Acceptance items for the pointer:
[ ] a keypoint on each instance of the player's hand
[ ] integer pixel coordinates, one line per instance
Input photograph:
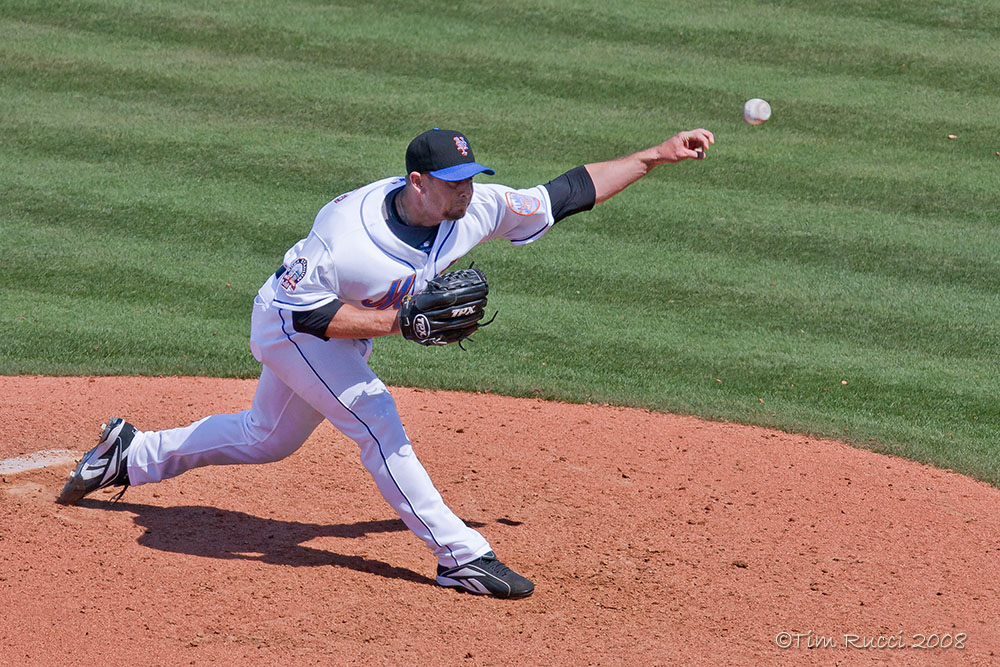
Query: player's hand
(688, 145)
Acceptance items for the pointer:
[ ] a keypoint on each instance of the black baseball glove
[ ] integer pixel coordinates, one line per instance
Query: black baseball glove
(448, 310)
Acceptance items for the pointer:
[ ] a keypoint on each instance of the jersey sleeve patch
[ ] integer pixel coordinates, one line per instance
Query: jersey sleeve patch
(295, 273)
(523, 204)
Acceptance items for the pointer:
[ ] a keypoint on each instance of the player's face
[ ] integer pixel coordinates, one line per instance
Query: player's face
(448, 200)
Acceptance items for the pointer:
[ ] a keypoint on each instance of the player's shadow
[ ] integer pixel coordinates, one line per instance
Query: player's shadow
(226, 534)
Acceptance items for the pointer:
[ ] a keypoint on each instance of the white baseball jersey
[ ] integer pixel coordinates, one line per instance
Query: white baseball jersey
(352, 255)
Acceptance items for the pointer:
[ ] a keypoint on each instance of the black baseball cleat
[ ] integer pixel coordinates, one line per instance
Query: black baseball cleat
(104, 465)
(486, 576)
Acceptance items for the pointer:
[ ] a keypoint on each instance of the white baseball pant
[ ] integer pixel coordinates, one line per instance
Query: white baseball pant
(305, 379)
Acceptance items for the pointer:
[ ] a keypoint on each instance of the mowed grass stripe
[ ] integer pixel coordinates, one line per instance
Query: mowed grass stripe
(214, 229)
(385, 47)
(754, 31)
(826, 121)
(769, 297)
(716, 373)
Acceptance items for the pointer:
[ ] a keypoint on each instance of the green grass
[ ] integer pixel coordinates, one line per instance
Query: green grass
(833, 272)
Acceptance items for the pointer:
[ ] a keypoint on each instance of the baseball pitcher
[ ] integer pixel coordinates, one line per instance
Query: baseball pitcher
(375, 264)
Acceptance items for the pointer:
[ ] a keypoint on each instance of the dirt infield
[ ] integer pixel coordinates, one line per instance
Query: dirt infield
(651, 539)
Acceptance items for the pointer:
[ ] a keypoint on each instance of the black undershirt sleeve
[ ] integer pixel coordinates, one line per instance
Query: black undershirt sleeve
(316, 321)
(571, 193)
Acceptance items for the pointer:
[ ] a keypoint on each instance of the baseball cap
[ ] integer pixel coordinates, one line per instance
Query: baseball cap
(444, 154)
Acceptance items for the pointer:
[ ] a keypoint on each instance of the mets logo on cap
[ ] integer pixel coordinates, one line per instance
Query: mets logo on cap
(462, 145)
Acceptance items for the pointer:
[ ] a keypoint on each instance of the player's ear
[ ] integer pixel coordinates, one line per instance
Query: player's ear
(416, 180)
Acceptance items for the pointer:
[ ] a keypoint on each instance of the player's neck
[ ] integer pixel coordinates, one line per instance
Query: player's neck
(407, 214)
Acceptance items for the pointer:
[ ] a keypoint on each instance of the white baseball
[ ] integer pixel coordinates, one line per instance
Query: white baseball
(756, 111)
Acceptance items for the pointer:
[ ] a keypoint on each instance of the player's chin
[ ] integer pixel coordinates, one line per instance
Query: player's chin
(456, 212)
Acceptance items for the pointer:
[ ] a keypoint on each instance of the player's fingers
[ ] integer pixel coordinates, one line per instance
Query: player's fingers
(701, 138)
(685, 153)
(692, 146)
(687, 145)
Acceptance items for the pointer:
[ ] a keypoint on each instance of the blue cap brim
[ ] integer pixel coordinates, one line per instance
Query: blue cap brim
(460, 172)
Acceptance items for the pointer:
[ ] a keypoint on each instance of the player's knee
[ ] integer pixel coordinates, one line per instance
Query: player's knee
(270, 443)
